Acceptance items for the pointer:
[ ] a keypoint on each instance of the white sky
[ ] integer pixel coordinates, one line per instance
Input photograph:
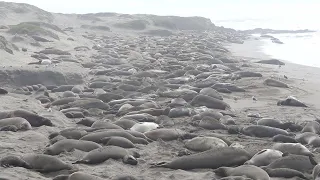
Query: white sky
(214, 9)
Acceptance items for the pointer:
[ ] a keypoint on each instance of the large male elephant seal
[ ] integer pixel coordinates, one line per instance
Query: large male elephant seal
(34, 119)
(213, 158)
(291, 101)
(40, 162)
(67, 145)
(264, 157)
(250, 171)
(18, 122)
(102, 154)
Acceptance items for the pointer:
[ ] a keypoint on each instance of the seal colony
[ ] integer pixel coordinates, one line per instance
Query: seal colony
(131, 101)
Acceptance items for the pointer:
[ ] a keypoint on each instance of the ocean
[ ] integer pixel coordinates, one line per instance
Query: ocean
(300, 48)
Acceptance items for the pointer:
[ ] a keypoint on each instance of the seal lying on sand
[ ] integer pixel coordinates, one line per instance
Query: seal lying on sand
(102, 154)
(34, 119)
(204, 143)
(297, 162)
(210, 102)
(292, 148)
(67, 145)
(312, 126)
(264, 157)
(18, 122)
(39, 162)
(77, 176)
(284, 173)
(275, 83)
(291, 101)
(249, 171)
(167, 134)
(213, 158)
(274, 123)
(260, 131)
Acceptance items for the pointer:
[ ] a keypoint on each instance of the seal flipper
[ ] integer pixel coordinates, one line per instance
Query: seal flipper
(312, 160)
(160, 164)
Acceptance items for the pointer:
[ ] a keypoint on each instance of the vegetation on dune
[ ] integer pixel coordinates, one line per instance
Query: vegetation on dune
(33, 28)
(159, 32)
(134, 25)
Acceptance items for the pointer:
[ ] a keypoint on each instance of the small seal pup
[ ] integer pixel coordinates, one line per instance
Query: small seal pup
(18, 122)
(144, 127)
(264, 157)
(40, 162)
(67, 145)
(291, 101)
(204, 143)
(213, 158)
(102, 154)
(292, 148)
(250, 171)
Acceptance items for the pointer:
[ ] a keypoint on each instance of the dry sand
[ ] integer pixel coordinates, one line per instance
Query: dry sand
(303, 82)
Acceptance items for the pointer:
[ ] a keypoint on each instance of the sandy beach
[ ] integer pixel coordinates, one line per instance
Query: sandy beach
(144, 90)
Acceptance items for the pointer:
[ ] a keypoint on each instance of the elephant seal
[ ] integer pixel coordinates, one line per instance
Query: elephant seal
(250, 171)
(264, 157)
(12, 128)
(292, 161)
(179, 112)
(210, 113)
(98, 136)
(3, 91)
(104, 125)
(70, 133)
(213, 158)
(283, 138)
(34, 119)
(177, 102)
(144, 127)
(204, 143)
(69, 94)
(117, 141)
(262, 131)
(77, 176)
(209, 102)
(40, 162)
(306, 137)
(63, 101)
(316, 172)
(274, 123)
(211, 92)
(211, 123)
(62, 88)
(125, 123)
(102, 154)
(284, 173)
(18, 122)
(291, 101)
(87, 103)
(312, 126)
(67, 145)
(275, 83)
(144, 117)
(292, 148)
(167, 134)
(86, 121)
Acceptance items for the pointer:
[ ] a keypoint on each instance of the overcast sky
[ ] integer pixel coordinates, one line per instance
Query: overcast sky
(214, 9)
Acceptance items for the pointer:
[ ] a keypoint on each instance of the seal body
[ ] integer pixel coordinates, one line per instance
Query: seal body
(262, 131)
(167, 134)
(264, 157)
(144, 127)
(213, 158)
(20, 123)
(249, 171)
(283, 138)
(102, 154)
(117, 141)
(39, 162)
(67, 145)
(204, 143)
(292, 148)
(34, 119)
